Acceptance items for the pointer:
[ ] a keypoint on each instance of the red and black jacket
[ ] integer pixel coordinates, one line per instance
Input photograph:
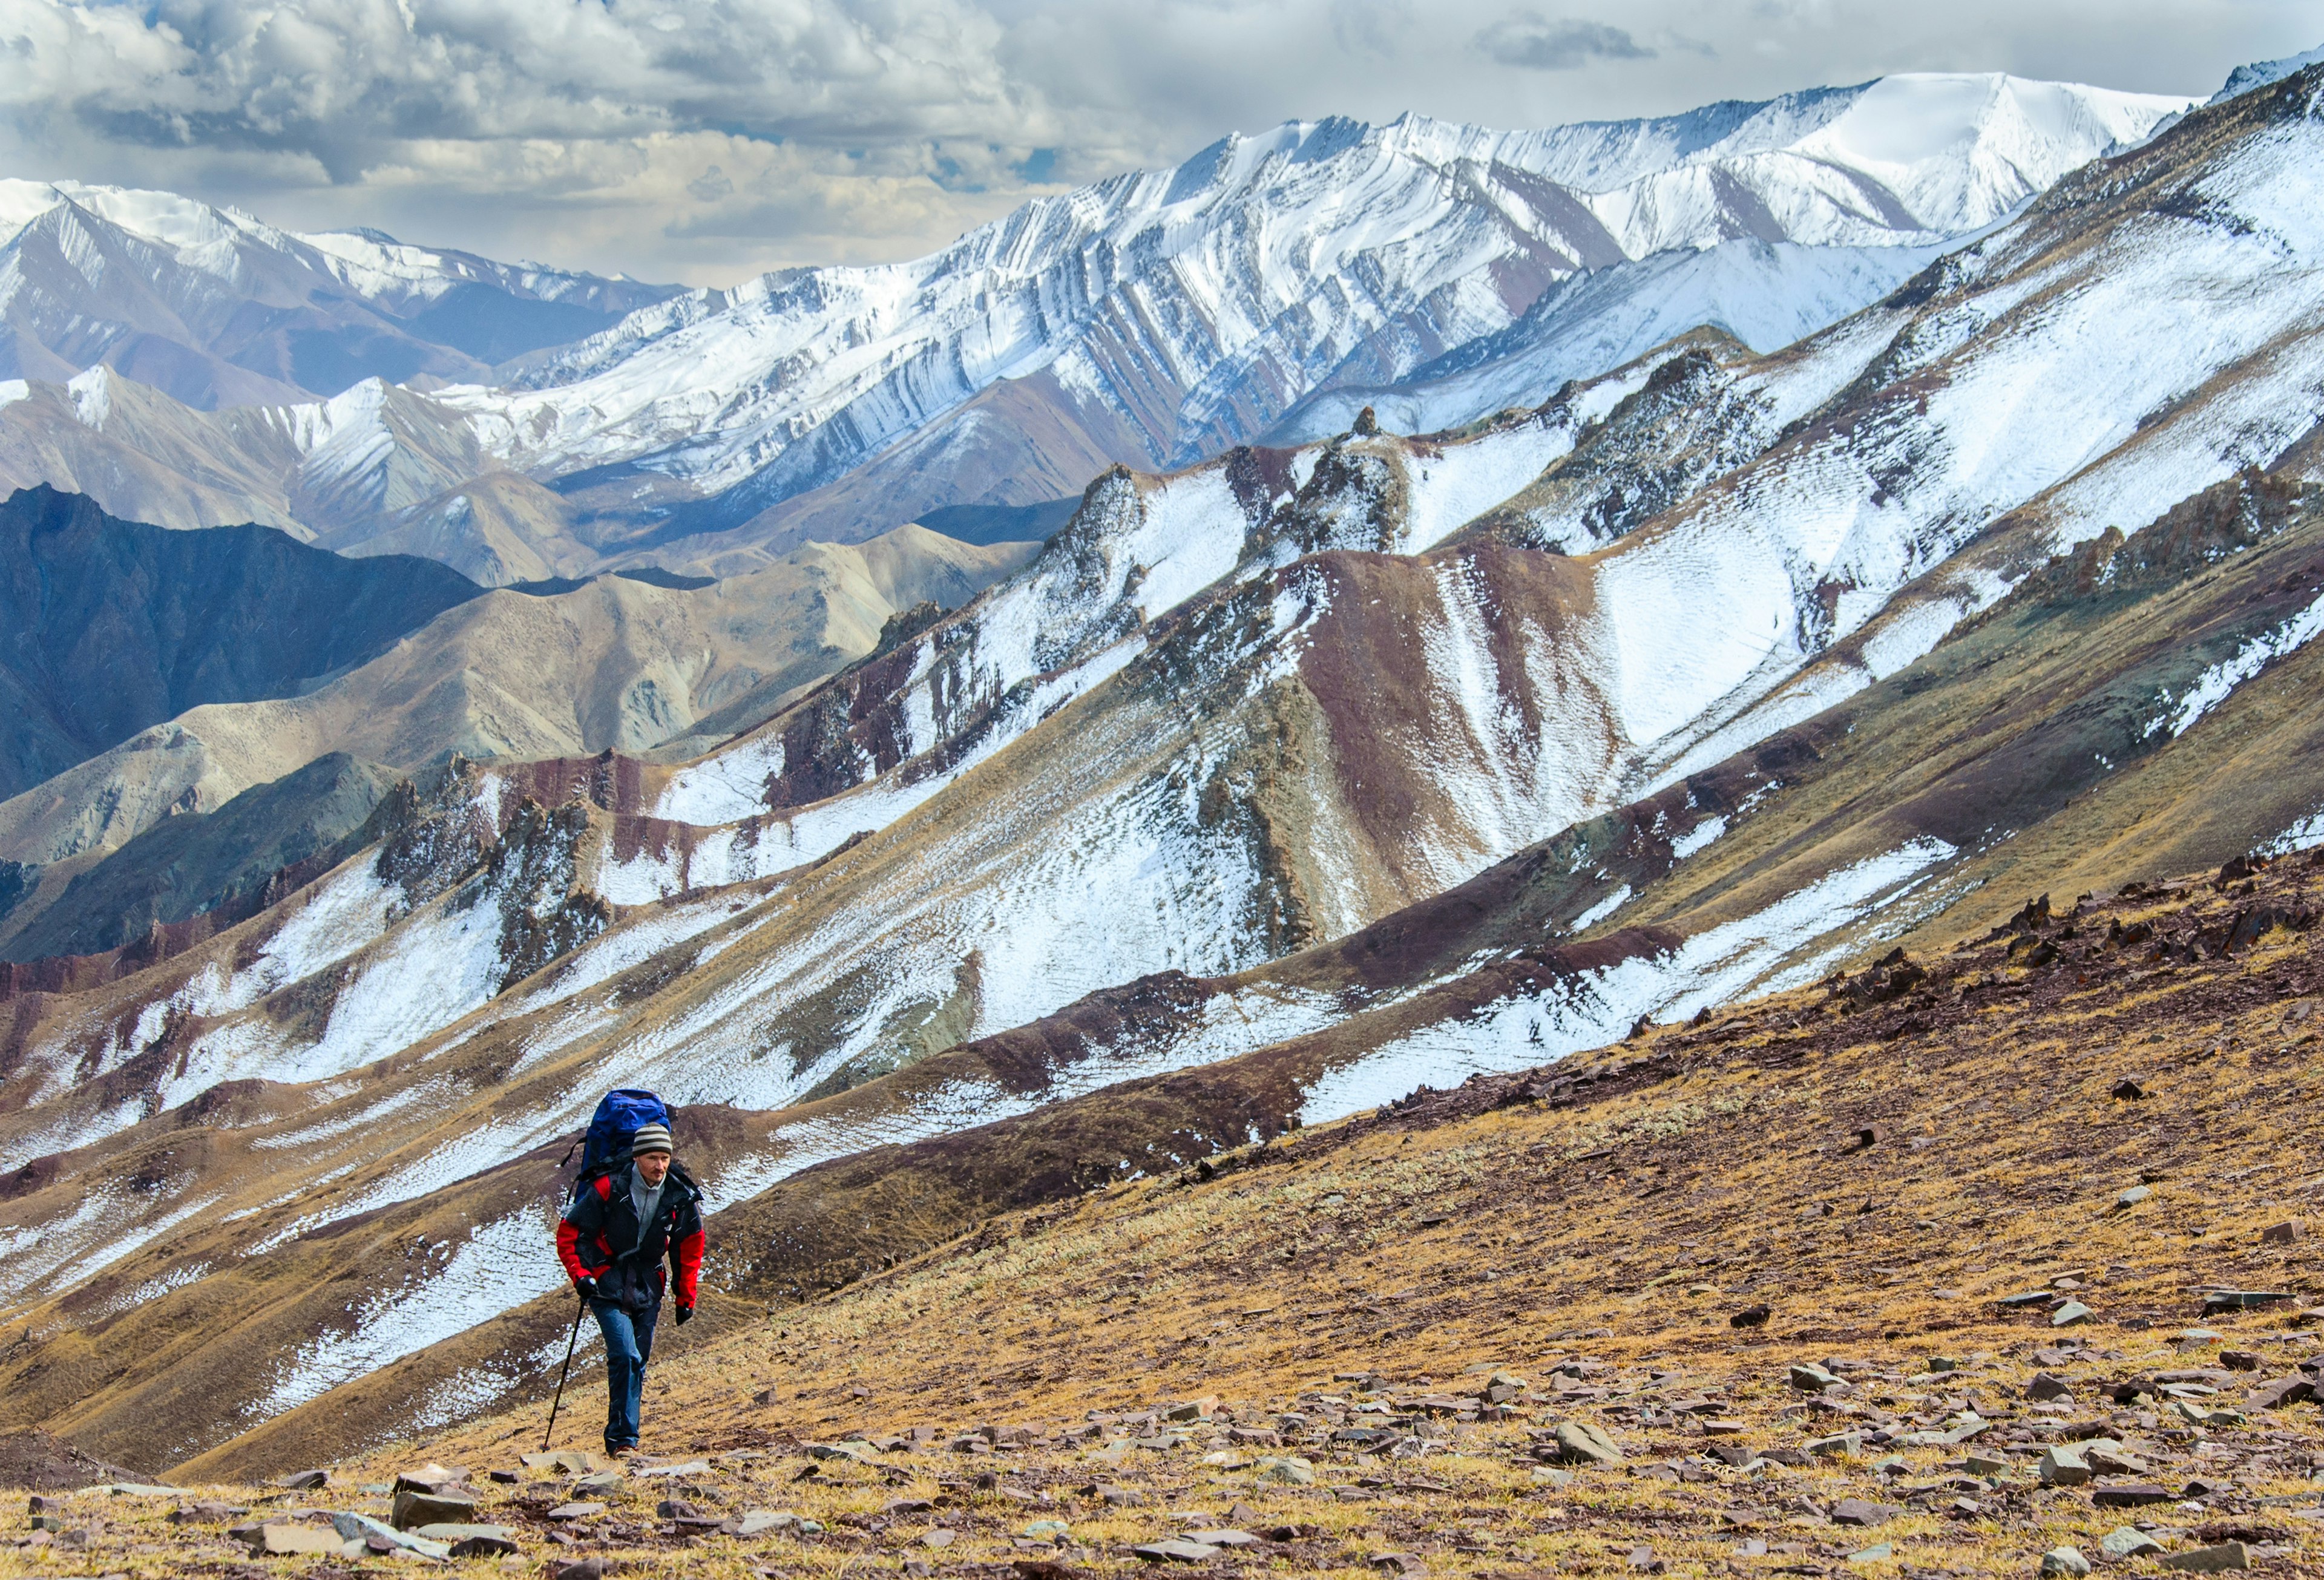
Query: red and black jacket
(595, 1236)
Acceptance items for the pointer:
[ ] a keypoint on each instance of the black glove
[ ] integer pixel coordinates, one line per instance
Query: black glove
(685, 1315)
(587, 1287)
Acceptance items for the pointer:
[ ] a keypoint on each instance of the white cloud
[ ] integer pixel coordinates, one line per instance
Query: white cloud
(704, 140)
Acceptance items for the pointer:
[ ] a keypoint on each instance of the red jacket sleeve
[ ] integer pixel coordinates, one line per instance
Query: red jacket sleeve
(689, 1266)
(568, 1239)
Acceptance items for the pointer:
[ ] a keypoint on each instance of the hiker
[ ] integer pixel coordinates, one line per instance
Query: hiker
(622, 1224)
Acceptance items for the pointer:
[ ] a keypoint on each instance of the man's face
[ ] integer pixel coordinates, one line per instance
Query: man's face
(651, 1167)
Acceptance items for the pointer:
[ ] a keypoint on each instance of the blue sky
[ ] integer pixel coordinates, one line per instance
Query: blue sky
(707, 139)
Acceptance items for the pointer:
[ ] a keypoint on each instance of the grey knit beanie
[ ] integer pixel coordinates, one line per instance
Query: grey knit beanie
(651, 1138)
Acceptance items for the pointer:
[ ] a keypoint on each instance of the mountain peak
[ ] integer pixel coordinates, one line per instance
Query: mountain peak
(2260, 73)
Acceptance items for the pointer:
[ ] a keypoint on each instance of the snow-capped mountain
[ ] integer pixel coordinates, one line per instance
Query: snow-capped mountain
(1372, 762)
(1267, 288)
(1157, 318)
(214, 307)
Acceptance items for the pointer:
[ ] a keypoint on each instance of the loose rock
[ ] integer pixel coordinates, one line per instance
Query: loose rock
(1582, 1443)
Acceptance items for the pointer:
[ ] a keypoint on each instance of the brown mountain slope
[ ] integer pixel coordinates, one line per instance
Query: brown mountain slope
(616, 664)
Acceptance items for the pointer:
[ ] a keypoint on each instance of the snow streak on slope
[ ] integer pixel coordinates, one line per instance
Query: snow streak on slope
(1763, 953)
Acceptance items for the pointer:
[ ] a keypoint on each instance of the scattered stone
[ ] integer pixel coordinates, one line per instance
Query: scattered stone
(2064, 1560)
(1289, 1470)
(2072, 1312)
(2133, 1195)
(1050, 1531)
(1401, 1563)
(580, 1569)
(202, 1511)
(275, 1541)
(1172, 1550)
(506, 1478)
(1582, 1443)
(2211, 1560)
(432, 1478)
(2045, 1386)
(2281, 1391)
(305, 1481)
(1811, 1378)
(2290, 1232)
(2127, 1541)
(1643, 1560)
(2128, 1090)
(570, 1512)
(566, 1461)
(2063, 1465)
(1979, 1465)
(1224, 1536)
(1878, 1553)
(473, 1541)
(2131, 1495)
(759, 1521)
(1857, 1512)
(1551, 1476)
(1840, 1444)
(2239, 1360)
(939, 1538)
(1751, 1315)
(364, 1529)
(862, 1453)
(415, 1508)
(1193, 1409)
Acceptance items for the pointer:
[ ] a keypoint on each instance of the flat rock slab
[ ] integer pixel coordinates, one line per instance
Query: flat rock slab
(570, 1461)
(1583, 1443)
(1174, 1551)
(363, 1529)
(2131, 1495)
(2128, 1542)
(286, 1540)
(576, 1511)
(702, 1466)
(2209, 1560)
(415, 1508)
(1859, 1512)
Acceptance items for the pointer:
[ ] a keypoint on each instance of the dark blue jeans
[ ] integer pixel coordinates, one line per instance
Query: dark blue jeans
(629, 1344)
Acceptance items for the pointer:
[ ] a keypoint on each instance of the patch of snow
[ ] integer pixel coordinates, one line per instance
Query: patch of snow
(2219, 682)
(1698, 837)
(1601, 911)
(725, 787)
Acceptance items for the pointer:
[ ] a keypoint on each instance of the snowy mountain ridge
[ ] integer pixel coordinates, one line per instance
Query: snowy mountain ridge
(1265, 265)
(217, 309)
(1268, 288)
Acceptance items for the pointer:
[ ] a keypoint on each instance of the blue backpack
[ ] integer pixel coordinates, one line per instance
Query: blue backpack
(620, 1115)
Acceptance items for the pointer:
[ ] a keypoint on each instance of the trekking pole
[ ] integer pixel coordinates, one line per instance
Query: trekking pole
(567, 1372)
